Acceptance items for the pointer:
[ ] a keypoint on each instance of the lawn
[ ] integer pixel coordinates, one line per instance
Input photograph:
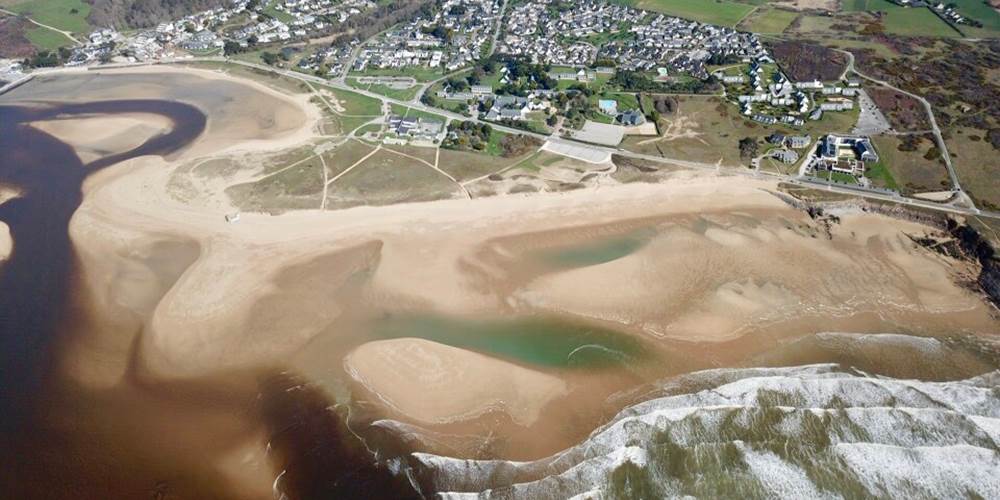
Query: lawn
(910, 171)
(68, 15)
(880, 176)
(769, 21)
(354, 103)
(420, 73)
(280, 15)
(905, 21)
(703, 129)
(415, 113)
(46, 39)
(392, 93)
(971, 151)
(720, 12)
(843, 178)
(345, 155)
(980, 11)
(372, 127)
(466, 165)
(386, 178)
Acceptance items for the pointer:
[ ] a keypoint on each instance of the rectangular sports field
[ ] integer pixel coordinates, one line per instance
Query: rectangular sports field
(769, 21)
(718, 12)
(905, 21)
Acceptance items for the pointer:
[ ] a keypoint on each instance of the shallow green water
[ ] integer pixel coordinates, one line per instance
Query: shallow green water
(598, 252)
(537, 341)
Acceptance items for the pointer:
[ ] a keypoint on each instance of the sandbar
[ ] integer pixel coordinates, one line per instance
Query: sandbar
(417, 378)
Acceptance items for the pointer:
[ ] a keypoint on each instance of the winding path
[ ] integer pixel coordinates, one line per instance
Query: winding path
(67, 34)
(711, 167)
(935, 130)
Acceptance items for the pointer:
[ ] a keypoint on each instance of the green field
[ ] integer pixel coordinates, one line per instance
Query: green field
(386, 178)
(980, 11)
(769, 21)
(880, 176)
(392, 93)
(720, 12)
(910, 171)
(282, 16)
(68, 15)
(356, 104)
(843, 178)
(419, 73)
(415, 113)
(46, 39)
(906, 21)
(465, 165)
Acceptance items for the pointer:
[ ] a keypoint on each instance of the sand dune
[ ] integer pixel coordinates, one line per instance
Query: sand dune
(93, 137)
(727, 256)
(416, 378)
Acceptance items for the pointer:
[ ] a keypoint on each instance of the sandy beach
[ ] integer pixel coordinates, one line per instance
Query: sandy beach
(424, 246)
(93, 138)
(6, 243)
(175, 294)
(728, 256)
(416, 378)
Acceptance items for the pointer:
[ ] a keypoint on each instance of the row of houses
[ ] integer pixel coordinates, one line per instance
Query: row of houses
(636, 40)
(454, 37)
(778, 100)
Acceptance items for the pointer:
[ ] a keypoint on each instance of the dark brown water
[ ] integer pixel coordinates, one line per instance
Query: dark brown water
(35, 282)
(139, 439)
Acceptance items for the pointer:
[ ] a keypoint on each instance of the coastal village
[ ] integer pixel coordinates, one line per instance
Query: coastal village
(468, 57)
(453, 38)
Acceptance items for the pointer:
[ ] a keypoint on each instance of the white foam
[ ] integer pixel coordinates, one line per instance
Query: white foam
(886, 430)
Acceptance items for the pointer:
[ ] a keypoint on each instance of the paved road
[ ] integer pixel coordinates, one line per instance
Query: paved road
(67, 34)
(844, 189)
(935, 130)
(496, 31)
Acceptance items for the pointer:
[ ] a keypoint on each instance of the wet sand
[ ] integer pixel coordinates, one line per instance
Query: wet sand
(182, 307)
(6, 243)
(417, 379)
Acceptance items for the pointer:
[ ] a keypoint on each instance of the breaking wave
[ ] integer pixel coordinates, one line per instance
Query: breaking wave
(817, 430)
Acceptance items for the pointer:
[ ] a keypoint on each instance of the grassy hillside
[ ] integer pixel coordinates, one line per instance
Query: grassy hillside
(68, 15)
(142, 13)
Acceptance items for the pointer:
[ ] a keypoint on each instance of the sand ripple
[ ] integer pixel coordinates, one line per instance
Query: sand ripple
(417, 378)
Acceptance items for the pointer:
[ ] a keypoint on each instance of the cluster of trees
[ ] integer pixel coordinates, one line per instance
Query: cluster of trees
(641, 82)
(231, 47)
(48, 58)
(272, 58)
(516, 145)
(748, 148)
(468, 135)
(145, 13)
(438, 31)
(383, 16)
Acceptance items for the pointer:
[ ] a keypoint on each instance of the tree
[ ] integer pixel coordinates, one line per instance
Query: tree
(458, 84)
(269, 58)
(231, 48)
(748, 148)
